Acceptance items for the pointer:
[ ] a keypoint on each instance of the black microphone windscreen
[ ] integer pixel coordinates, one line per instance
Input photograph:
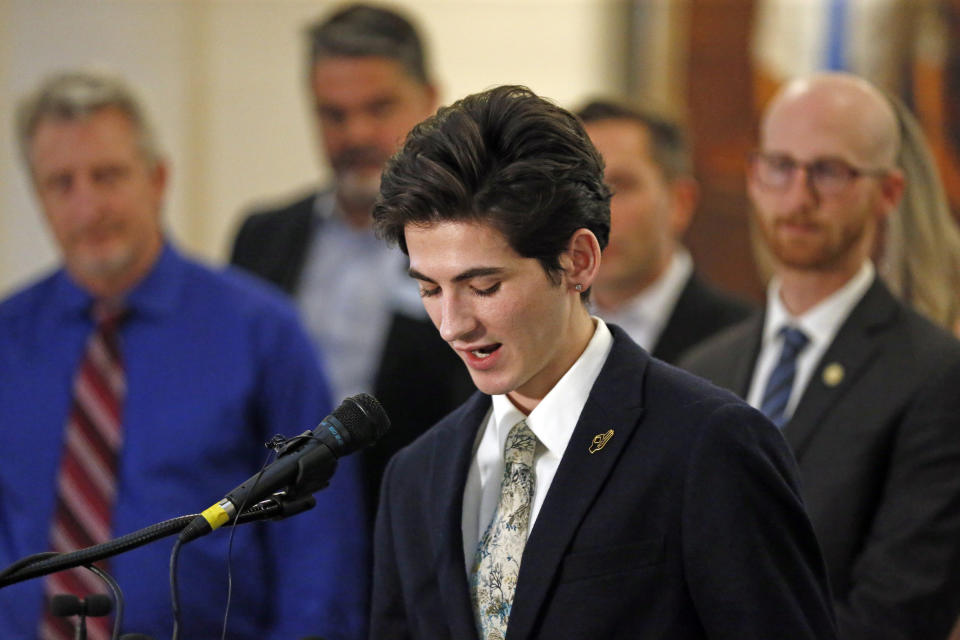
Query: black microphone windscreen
(363, 417)
(64, 604)
(94, 605)
(98, 605)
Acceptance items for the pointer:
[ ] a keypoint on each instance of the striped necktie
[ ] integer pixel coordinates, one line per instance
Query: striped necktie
(87, 480)
(776, 395)
(496, 564)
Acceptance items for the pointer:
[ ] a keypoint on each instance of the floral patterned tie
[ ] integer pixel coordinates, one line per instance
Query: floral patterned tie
(496, 564)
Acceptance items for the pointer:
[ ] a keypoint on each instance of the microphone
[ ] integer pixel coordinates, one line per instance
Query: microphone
(305, 463)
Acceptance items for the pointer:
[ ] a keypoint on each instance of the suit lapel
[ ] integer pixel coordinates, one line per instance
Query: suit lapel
(680, 326)
(451, 461)
(741, 368)
(295, 247)
(579, 477)
(844, 361)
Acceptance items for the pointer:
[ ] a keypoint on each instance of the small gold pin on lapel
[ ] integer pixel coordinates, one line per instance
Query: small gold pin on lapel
(600, 440)
(833, 374)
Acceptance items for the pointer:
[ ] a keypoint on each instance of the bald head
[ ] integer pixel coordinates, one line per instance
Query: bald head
(838, 106)
(825, 179)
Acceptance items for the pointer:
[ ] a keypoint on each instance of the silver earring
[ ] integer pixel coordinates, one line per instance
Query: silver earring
(579, 287)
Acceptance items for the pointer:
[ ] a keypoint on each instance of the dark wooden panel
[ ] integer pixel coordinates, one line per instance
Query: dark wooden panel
(723, 124)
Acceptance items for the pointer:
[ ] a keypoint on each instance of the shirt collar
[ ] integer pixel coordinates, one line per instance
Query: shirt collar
(821, 322)
(555, 417)
(328, 211)
(655, 303)
(72, 300)
(325, 204)
(663, 293)
(155, 294)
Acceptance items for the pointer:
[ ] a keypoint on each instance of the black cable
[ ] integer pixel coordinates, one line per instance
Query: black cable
(174, 589)
(117, 598)
(111, 583)
(41, 564)
(226, 609)
(175, 554)
(44, 563)
(274, 444)
(25, 562)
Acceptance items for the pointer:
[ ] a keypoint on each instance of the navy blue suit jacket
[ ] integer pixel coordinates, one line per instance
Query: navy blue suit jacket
(687, 524)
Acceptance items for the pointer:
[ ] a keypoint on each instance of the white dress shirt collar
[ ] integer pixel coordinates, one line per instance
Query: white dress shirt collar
(555, 417)
(820, 324)
(822, 321)
(553, 421)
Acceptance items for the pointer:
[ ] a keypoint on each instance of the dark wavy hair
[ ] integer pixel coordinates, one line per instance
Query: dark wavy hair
(503, 157)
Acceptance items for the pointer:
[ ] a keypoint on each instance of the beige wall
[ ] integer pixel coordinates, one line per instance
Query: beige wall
(223, 81)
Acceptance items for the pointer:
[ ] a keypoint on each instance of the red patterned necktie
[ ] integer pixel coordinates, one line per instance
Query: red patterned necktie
(87, 480)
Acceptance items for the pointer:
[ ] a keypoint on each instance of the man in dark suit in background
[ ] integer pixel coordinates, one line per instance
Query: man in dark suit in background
(647, 283)
(865, 389)
(587, 490)
(369, 83)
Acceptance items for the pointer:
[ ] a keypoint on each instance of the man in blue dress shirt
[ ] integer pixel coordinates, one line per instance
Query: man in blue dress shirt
(215, 363)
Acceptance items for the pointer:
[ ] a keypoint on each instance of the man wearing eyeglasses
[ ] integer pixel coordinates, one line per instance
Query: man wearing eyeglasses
(866, 391)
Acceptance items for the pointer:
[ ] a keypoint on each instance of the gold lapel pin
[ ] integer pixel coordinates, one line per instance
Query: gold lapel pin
(600, 441)
(833, 374)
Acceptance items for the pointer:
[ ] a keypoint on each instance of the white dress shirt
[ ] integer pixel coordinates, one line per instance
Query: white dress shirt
(645, 315)
(552, 421)
(820, 324)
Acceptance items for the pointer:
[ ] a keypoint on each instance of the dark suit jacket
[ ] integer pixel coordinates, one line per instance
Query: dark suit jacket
(420, 379)
(686, 525)
(701, 311)
(879, 456)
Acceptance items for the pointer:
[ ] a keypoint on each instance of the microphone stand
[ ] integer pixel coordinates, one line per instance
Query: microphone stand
(278, 506)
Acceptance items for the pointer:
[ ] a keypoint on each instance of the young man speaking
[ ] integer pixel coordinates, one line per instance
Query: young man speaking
(586, 490)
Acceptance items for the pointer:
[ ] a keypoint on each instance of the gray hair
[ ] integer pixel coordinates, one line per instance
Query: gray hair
(921, 256)
(76, 95)
(363, 30)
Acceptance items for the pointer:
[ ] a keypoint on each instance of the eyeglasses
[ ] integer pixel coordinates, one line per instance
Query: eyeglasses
(827, 176)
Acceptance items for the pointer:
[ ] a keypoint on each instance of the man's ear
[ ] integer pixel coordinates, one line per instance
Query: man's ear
(685, 194)
(432, 95)
(159, 176)
(581, 260)
(892, 187)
